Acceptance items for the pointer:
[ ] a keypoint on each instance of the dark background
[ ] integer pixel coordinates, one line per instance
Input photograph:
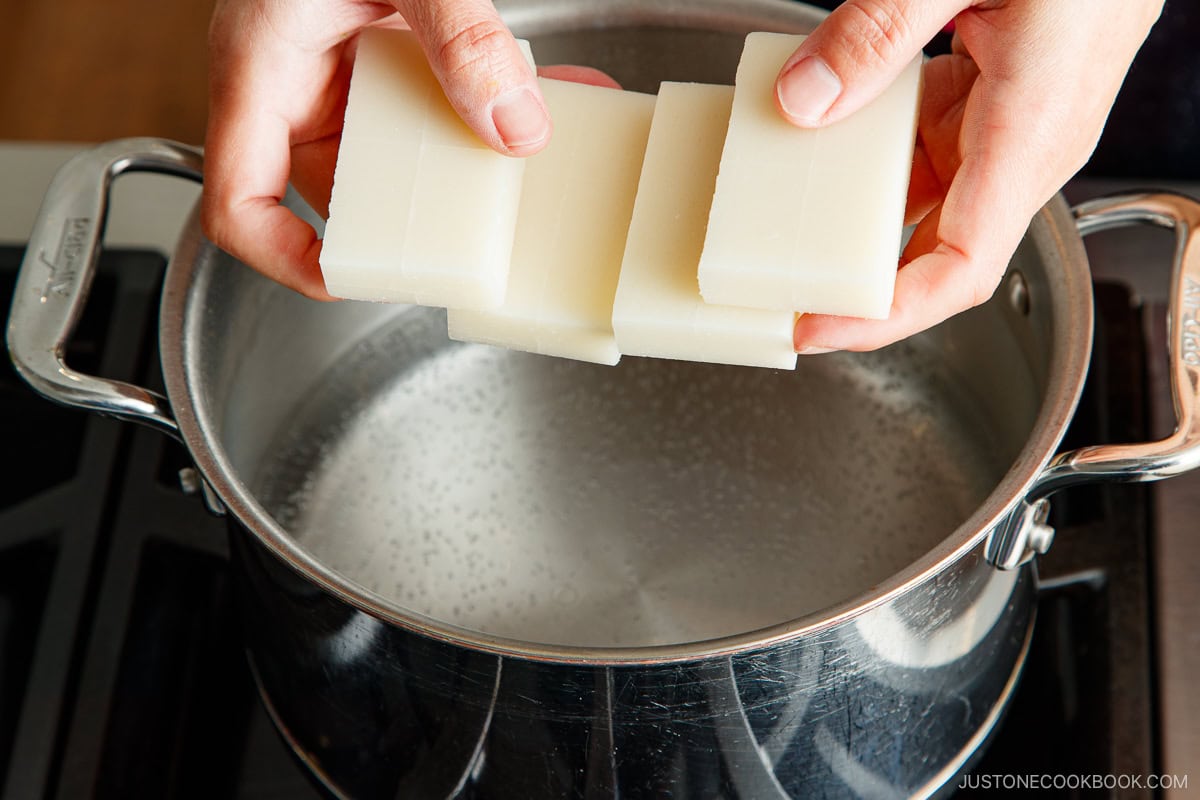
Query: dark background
(1154, 129)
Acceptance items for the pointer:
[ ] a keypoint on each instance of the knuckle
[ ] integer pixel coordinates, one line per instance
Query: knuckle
(480, 44)
(880, 28)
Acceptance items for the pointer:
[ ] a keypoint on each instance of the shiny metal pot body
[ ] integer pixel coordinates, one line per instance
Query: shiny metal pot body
(891, 704)
(886, 687)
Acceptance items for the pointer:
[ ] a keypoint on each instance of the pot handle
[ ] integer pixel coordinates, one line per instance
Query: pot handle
(56, 275)
(1025, 532)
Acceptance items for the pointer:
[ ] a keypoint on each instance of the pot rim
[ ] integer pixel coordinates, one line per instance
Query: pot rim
(1054, 234)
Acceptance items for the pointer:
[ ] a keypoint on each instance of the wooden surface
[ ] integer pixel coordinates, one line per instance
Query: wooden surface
(89, 70)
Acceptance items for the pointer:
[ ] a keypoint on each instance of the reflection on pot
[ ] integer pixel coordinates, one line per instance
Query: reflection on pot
(380, 712)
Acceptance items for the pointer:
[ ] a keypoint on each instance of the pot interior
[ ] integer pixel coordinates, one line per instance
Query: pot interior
(466, 487)
(650, 503)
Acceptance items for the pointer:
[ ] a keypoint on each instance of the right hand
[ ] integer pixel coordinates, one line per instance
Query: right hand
(279, 74)
(1005, 120)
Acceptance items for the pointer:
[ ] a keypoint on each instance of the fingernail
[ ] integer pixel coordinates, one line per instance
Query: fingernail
(808, 89)
(815, 351)
(520, 119)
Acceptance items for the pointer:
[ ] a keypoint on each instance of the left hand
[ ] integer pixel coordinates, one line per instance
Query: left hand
(279, 77)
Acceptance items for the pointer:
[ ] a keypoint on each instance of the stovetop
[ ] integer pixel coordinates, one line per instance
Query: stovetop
(121, 672)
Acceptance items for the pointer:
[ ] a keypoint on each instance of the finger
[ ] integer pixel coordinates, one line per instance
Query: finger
(956, 45)
(924, 237)
(240, 212)
(312, 171)
(855, 54)
(948, 80)
(483, 72)
(925, 189)
(314, 158)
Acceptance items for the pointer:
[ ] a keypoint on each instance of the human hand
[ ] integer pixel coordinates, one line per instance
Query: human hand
(1005, 120)
(279, 74)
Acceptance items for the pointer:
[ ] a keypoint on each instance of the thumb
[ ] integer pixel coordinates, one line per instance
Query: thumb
(482, 70)
(854, 54)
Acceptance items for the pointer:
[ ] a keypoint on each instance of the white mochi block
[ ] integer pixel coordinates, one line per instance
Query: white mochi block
(658, 309)
(422, 210)
(809, 220)
(576, 202)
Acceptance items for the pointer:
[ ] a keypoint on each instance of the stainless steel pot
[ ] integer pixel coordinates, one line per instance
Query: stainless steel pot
(470, 572)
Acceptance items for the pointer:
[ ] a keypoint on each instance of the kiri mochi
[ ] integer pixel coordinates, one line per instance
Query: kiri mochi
(422, 210)
(658, 309)
(809, 220)
(576, 202)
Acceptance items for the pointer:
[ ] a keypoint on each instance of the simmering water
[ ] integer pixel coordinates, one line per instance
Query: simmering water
(655, 502)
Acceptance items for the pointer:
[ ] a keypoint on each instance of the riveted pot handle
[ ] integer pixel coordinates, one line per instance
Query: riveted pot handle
(1150, 461)
(56, 275)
